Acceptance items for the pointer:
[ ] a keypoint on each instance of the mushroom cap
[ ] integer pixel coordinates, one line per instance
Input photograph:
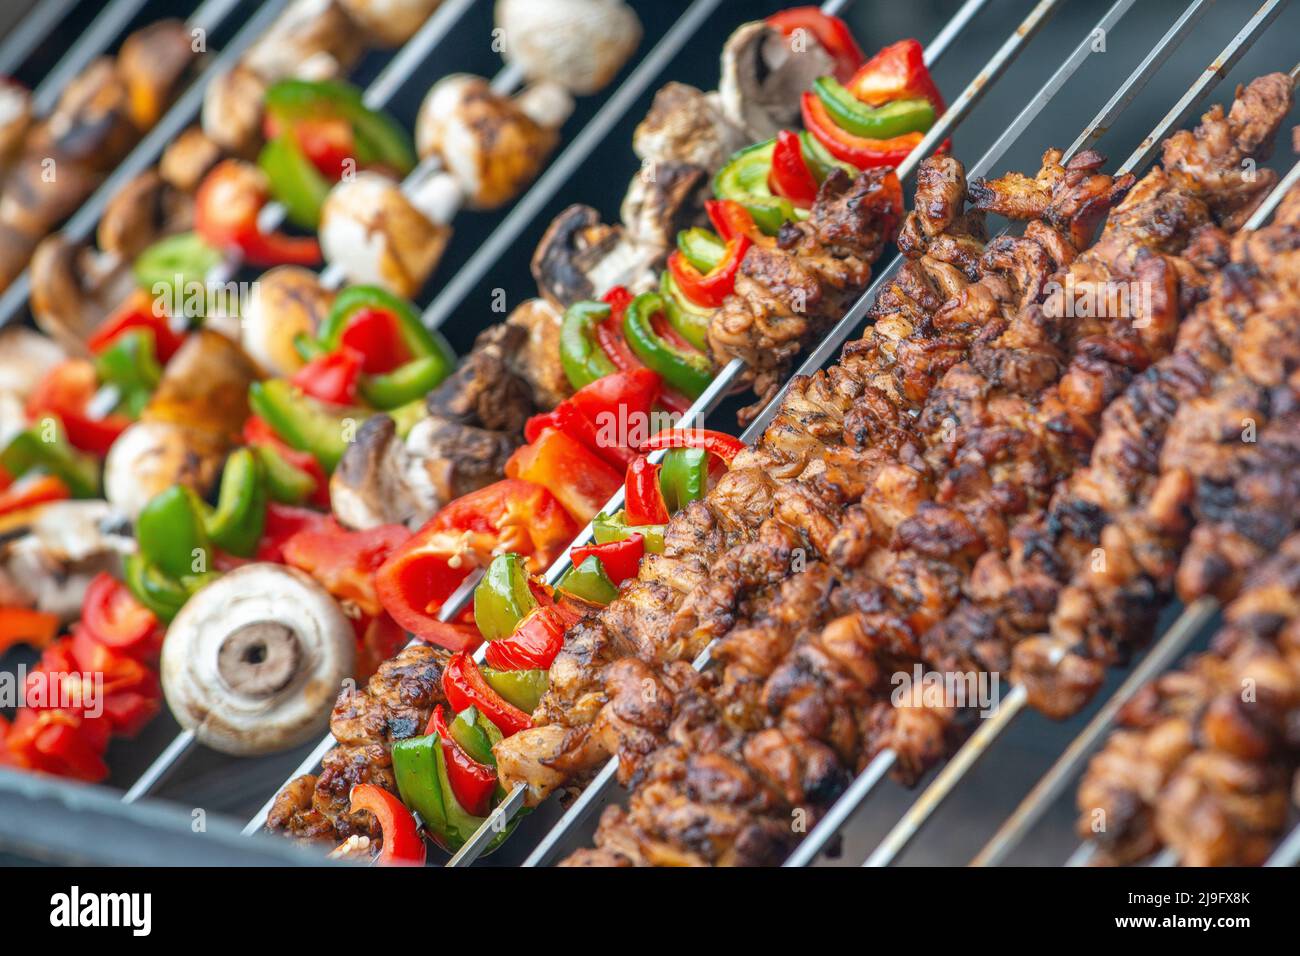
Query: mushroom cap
(391, 22)
(284, 301)
(686, 125)
(26, 357)
(15, 117)
(374, 233)
(311, 39)
(487, 141)
(188, 158)
(763, 77)
(205, 386)
(92, 123)
(153, 61)
(232, 110)
(74, 289)
(580, 44)
(579, 257)
(253, 661)
(149, 457)
(143, 211)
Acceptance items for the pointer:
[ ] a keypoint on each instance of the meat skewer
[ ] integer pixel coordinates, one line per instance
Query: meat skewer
(1103, 242)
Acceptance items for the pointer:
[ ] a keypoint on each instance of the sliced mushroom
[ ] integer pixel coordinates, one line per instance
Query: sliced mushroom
(284, 302)
(686, 125)
(311, 39)
(92, 122)
(376, 234)
(232, 110)
(25, 358)
(491, 144)
(764, 73)
(149, 457)
(153, 61)
(539, 357)
(74, 288)
(580, 257)
(580, 44)
(253, 661)
(391, 22)
(146, 209)
(41, 189)
(375, 483)
(16, 249)
(661, 201)
(188, 158)
(205, 386)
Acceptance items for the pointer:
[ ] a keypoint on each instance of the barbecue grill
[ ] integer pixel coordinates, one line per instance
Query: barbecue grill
(1031, 74)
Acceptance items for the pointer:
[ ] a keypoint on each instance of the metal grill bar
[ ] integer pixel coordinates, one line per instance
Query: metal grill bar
(29, 33)
(390, 80)
(1054, 782)
(187, 106)
(973, 749)
(566, 164)
(1288, 851)
(98, 37)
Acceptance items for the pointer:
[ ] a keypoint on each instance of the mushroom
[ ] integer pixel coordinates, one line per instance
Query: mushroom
(662, 200)
(284, 302)
(38, 196)
(153, 61)
(16, 249)
(74, 288)
(232, 110)
(391, 22)
(205, 386)
(763, 75)
(376, 234)
(188, 158)
(25, 358)
(15, 118)
(493, 145)
(580, 44)
(146, 209)
(580, 257)
(91, 123)
(686, 125)
(375, 483)
(150, 457)
(311, 39)
(538, 359)
(253, 661)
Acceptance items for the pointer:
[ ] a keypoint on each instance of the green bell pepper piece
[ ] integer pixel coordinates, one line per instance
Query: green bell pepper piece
(170, 532)
(419, 340)
(285, 482)
(684, 477)
(743, 178)
(590, 582)
(161, 594)
(895, 118)
(503, 597)
(303, 422)
(820, 162)
(379, 138)
(405, 384)
(408, 415)
(581, 356)
(174, 263)
(240, 516)
(688, 372)
(295, 182)
(421, 773)
(470, 730)
(690, 321)
(606, 528)
(28, 450)
(702, 248)
(522, 688)
(131, 364)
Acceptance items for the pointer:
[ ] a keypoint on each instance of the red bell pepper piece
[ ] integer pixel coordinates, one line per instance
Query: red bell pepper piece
(465, 687)
(709, 290)
(536, 641)
(720, 444)
(898, 72)
(619, 558)
(604, 415)
(64, 393)
(32, 490)
(21, 625)
(332, 378)
(831, 32)
(609, 334)
(225, 214)
(642, 497)
(344, 562)
(580, 480)
(60, 742)
(472, 783)
(790, 176)
(327, 142)
(137, 312)
(113, 617)
(282, 523)
(374, 334)
(730, 219)
(421, 574)
(861, 152)
(403, 845)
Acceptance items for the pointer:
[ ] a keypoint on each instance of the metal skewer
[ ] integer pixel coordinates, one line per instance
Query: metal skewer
(30, 32)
